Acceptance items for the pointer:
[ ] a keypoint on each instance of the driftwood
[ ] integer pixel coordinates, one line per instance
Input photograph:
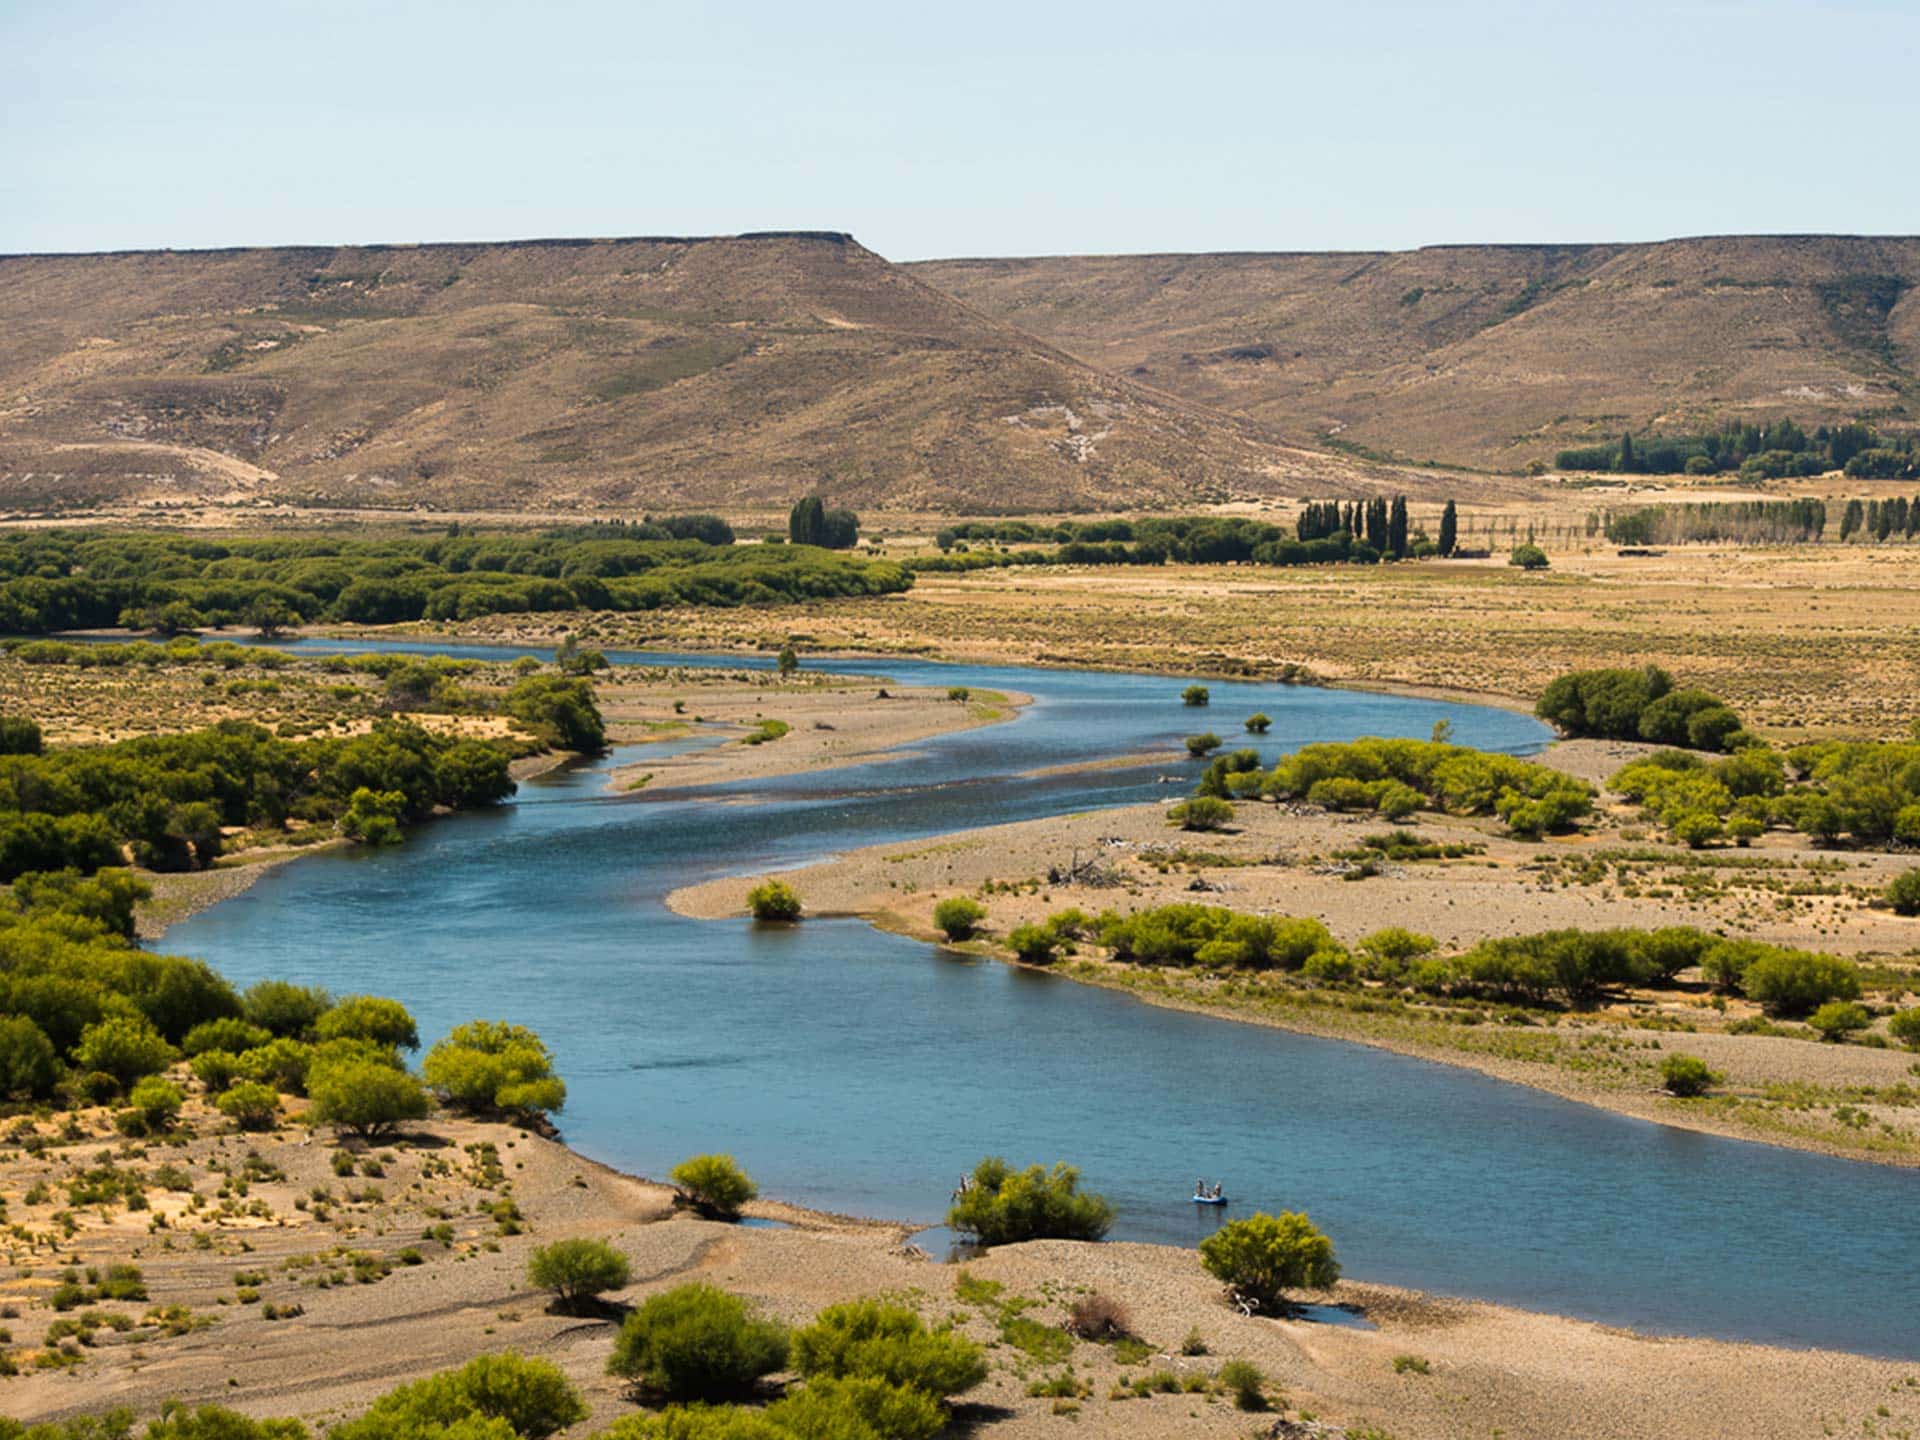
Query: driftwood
(1093, 872)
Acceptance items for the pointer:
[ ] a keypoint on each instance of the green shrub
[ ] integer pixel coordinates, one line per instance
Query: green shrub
(365, 1098)
(1903, 893)
(530, 1397)
(577, 1270)
(1034, 944)
(369, 1017)
(1528, 557)
(870, 1339)
(1838, 1019)
(713, 1422)
(773, 900)
(1195, 695)
(1202, 812)
(1242, 1380)
(492, 1067)
(1905, 1027)
(1258, 723)
(285, 1009)
(123, 1046)
(208, 1422)
(715, 1185)
(226, 1033)
(29, 1065)
(249, 1105)
(857, 1408)
(959, 916)
(1002, 1206)
(1797, 982)
(1263, 1256)
(158, 1102)
(1203, 744)
(1685, 1075)
(696, 1342)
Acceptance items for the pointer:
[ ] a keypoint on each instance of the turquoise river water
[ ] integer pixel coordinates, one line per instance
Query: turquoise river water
(858, 1071)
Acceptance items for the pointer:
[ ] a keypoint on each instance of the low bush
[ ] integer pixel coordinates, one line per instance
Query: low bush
(526, 1398)
(1685, 1075)
(856, 1408)
(1034, 944)
(1098, 1317)
(491, 1067)
(697, 1342)
(1263, 1256)
(1243, 1380)
(873, 1340)
(157, 1102)
(1201, 813)
(1797, 982)
(1195, 695)
(715, 1185)
(1258, 723)
(1203, 744)
(1002, 1206)
(577, 1271)
(1837, 1019)
(773, 901)
(1903, 893)
(1905, 1027)
(959, 916)
(250, 1106)
(365, 1098)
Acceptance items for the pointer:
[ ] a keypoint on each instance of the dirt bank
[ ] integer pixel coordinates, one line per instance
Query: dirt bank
(322, 1282)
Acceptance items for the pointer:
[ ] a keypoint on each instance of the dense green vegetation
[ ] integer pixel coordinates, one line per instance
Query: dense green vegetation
(54, 580)
(1361, 532)
(1863, 791)
(1399, 777)
(1578, 968)
(165, 800)
(1640, 705)
(1003, 1206)
(1756, 452)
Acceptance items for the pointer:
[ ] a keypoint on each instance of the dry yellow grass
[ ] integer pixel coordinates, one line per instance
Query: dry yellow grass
(1806, 641)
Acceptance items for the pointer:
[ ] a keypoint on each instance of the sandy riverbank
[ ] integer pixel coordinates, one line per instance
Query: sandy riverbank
(815, 722)
(1277, 860)
(429, 1299)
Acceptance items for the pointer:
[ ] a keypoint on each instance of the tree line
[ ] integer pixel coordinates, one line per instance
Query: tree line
(1750, 522)
(1326, 532)
(1881, 519)
(1775, 450)
(93, 579)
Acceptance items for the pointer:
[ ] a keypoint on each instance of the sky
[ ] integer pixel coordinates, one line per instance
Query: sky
(931, 130)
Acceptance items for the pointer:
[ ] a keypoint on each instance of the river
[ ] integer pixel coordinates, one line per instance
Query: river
(858, 1071)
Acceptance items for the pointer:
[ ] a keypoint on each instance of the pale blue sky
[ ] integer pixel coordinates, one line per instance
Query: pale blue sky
(981, 129)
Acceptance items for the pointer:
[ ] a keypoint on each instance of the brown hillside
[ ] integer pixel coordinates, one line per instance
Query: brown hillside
(549, 374)
(1490, 355)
